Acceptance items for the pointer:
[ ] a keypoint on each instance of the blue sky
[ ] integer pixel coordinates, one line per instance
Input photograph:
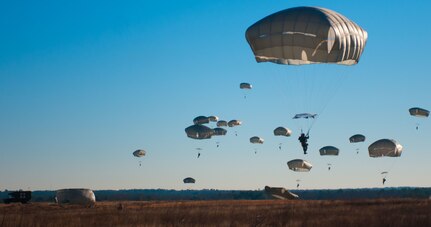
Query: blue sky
(83, 85)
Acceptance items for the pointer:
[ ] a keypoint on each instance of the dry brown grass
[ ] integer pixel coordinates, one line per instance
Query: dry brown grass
(397, 212)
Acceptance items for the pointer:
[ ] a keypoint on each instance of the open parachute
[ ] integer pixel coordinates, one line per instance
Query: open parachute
(139, 153)
(219, 131)
(256, 139)
(198, 131)
(419, 112)
(299, 165)
(213, 118)
(233, 123)
(357, 138)
(385, 148)
(221, 123)
(304, 115)
(282, 131)
(280, 193)
(245, 86)
(306, 35)
(189, 180)
(303, 36)
(78, 196)
(201, 120)
(329, 150)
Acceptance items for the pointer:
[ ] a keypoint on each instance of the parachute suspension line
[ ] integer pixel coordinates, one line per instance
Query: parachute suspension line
(359, 147)
(306, 87)
(338, 84)
(244, 93)
(289, 88)
(313, 89)
(312, 124)
(339, 76)
(391, 166)
(316, 86)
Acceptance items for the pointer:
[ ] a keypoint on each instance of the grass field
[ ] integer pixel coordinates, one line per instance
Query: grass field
(387, 212)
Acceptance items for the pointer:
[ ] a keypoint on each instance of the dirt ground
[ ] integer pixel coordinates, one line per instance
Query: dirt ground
(382, 212)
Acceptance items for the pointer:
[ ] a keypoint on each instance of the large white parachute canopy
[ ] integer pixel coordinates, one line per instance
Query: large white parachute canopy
(419, 112)
(299, 165)
(303, 36)
(385, 148)
(256, 139)
(139, 153)
(76, 196)
(282, 131)
(189, 180)
(306, 35)
(357, 138)
(199, 132)
(329, 150)
(201, 120)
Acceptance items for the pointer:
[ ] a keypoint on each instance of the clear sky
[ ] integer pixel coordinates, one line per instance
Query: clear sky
(85, 83)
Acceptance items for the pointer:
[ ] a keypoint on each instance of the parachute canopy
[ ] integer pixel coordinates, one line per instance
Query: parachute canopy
(419, 112)
(219, 131)
(199, 132)
(299, 165)
(233, 123)
(245, 86)
(282, 131)
(280, 193)
(75, 196)
(357, 138)
(256, 139)
(329, 150)
(189, 180)
(201, 120)
(385, 147)
(139, 153)
(304, 115)
(213, 118)
(221, 123)
(306, 35)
